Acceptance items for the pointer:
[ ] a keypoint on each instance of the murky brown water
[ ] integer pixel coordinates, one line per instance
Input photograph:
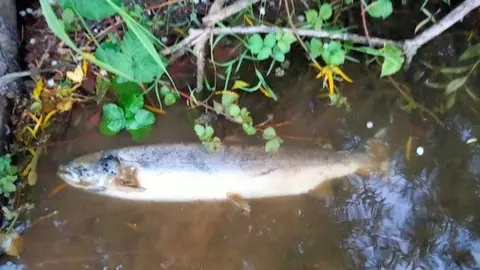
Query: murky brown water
(425, 215)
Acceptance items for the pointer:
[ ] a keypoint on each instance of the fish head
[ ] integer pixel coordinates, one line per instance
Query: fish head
(90, 172)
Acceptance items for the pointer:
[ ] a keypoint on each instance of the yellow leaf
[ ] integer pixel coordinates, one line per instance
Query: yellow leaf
(226, 92)
(248, 20)
(34, 117)
(179, 31)
(239, 84)
(37, 126)
(341, 73)
(32, 175)
(31, 131)
(330, 82)
(65, 105)
(265, 92)
(77, 75)
(84, 66)
(155, 110)
(32, 178)
(316, 65)
(408, 148)
(38, 89)
(321, 73)
(47, 118)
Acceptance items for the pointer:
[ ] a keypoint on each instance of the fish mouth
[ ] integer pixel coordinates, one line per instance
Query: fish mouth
(67, 176)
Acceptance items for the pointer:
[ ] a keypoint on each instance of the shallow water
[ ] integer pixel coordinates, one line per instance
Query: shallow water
(424, 215)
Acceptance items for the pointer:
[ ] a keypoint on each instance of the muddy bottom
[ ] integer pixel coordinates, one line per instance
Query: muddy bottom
(424, 214)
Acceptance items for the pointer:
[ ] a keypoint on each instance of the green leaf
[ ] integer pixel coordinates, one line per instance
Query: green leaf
(164, 90)
(233, 110)
(316, 48)
(110, 54)
(284, 47)
(67, 16)
(311, 16)
(113, 119)
(318, 25)
(36, 106)
(249, 129)
(289, 38)
(255, 43)
(326, 11)
(334, 54)
(204, 133)
(199, 130)
(145, 118)
(264, 53)
(170, 99)
(141, 133)
(208, 132)
(245, 114)
(217, 107)
(92, 10)
(278, 55)
(58, 28)
(471, 52)
(269, 40)
(455, 84)
(269, 133)
(125, 88)
(131, 104)
(380, 9)
(229, 98)
(145, 38)
(143, 64)
(393, 60)
(272, 145)
(211, 146)
(142, 118)
(101, 87)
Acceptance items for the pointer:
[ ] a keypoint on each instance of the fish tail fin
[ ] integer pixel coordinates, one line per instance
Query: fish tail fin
(378, 148)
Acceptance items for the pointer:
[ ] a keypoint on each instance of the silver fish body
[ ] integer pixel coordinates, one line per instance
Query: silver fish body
(186, 172)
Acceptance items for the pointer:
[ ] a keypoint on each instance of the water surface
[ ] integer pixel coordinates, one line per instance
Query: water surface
(423, 215)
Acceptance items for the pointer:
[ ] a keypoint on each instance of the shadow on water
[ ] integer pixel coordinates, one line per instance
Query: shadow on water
(424, 215)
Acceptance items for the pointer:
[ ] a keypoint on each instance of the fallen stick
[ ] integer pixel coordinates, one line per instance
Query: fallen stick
(201, 41)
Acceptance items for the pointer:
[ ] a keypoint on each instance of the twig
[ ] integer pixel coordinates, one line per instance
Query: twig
(7, 78)
(228, 11)
(412, 45)
(420, 106)
(364, 22)
(302, 32)
(199, 48)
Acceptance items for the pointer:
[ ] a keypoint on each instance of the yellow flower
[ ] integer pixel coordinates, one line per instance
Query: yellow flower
(328, 72)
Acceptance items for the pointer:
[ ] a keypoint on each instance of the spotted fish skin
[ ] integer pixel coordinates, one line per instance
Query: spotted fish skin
(187, 172)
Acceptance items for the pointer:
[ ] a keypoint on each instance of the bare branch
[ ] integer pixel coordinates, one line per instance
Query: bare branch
(228, 11)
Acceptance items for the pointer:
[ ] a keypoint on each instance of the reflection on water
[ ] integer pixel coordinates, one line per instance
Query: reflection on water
(423, 215)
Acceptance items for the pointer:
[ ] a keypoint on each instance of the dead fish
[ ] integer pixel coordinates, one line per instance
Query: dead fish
(186, 172)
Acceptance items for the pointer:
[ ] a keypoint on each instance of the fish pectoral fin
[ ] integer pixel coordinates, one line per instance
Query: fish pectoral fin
(239, 202)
